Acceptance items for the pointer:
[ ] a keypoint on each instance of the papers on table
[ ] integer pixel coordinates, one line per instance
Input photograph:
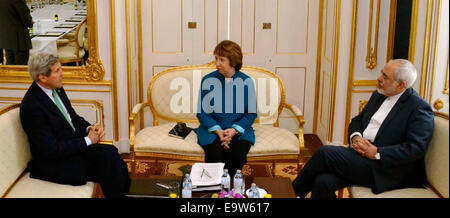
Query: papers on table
(206, 176)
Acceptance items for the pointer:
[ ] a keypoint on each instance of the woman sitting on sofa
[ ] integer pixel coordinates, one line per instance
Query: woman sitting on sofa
(227, 110)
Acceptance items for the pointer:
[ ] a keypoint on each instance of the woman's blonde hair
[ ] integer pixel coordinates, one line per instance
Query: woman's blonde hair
(232, 51)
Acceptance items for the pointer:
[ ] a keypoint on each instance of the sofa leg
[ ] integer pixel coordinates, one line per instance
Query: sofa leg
(340, 193)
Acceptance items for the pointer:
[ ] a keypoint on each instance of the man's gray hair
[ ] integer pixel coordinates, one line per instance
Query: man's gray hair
(406, 72)
(41, 64)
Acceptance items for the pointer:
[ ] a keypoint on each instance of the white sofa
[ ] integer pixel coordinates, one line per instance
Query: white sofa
(436, 166)
(273, 144)
(14, 156)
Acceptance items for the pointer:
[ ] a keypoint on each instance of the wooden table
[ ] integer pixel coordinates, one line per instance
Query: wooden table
(278, 187)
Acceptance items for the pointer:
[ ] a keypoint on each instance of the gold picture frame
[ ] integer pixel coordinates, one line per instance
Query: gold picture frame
(92, 71)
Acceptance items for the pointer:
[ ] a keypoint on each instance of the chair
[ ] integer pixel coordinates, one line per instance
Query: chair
(273, 144)
(73, 50)
(436, 167)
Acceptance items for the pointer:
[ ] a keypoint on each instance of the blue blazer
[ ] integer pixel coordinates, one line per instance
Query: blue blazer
(240, 115)
(402, 140)
(54, 145)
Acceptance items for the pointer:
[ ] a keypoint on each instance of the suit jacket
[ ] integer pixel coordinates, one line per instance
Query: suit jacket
(244, 118)
(56, 148)
(15, 18)
(402, 140)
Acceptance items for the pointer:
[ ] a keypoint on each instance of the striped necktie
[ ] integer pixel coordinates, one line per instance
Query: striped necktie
(58, 104)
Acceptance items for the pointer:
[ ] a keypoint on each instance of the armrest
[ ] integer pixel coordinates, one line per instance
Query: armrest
(301, 121)
(136, 109)
(296, 111)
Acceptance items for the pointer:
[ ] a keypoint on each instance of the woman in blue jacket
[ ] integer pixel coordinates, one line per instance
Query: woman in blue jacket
(227, 110)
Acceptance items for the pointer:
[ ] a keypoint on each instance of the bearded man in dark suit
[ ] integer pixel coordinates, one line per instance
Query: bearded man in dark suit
(65, 148)
(15, 19)
(388, 140)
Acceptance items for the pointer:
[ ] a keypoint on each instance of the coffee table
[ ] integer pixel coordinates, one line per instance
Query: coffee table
(278, 187)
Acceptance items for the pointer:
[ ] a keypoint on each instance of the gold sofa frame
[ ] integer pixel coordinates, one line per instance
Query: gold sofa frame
(272, 158)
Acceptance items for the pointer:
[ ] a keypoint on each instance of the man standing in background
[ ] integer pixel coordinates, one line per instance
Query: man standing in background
(15, 19)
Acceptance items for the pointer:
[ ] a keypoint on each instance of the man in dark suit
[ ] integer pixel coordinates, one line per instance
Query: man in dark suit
(15, 18)
(388, 141)
(64, 146)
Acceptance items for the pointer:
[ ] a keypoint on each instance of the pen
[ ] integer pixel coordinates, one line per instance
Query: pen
(162, 186)
(206, 173)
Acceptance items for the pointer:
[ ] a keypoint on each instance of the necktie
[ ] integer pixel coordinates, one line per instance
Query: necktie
(58, 104)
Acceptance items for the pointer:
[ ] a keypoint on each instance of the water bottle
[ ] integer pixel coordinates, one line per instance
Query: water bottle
(226, 181)
(38, 27)
(253, 192)
(238, 182)
(187, 187)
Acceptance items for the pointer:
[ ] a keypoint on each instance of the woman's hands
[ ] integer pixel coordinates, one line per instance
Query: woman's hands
(226, 136)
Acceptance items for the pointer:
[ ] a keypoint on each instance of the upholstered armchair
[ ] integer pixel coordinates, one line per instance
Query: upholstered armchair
(72, 50)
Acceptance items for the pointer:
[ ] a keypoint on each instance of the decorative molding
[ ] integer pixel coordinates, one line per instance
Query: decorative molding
(413, 30)
(351, 68)
(112, 19)
(372, 52)
(365, 83)
(438, 104)
(446, 88)
(391, 34)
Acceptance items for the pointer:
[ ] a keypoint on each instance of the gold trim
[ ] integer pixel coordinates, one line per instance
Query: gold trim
(319, 65)
(337, 31)
(67, 90)
(93, 71)
(435, 49)
(363, 91)
(391, 34)
(112, 20)
(446, 88)
(140, 79)
(351, 67)
(9, 107)
(438, 104)
(127, 28)
(365, 83)
(440, 114)
(201, 158)
(413, 31)
(372, 53)
(430, 6)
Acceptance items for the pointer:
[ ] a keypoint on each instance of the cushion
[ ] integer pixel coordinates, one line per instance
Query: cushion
(14, 149)
(69, 52)
(363, 192)
(436, 158)
(269, 141)
(27, 187)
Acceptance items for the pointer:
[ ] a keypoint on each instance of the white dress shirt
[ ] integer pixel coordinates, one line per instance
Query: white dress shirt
(49, 94)
(377, 119)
